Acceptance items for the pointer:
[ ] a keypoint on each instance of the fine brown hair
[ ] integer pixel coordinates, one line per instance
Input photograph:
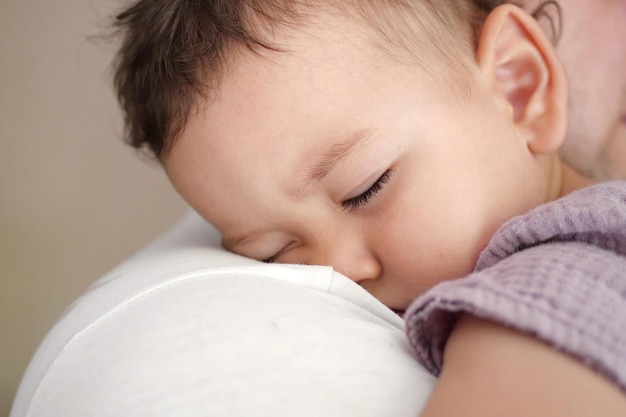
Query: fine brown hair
(173, 52)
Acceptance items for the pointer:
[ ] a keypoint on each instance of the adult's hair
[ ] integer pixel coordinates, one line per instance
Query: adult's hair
(174, 52)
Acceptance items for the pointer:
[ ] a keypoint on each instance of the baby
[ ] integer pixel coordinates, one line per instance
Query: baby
(390, 140)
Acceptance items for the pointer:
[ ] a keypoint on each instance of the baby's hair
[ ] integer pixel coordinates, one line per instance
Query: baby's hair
(174, 52)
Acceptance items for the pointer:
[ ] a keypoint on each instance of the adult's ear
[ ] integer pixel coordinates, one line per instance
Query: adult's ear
(520, 63)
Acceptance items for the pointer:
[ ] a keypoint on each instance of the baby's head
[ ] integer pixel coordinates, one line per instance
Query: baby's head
(388, 139)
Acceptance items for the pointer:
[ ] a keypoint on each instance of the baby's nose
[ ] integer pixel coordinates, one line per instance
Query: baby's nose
(352, 260)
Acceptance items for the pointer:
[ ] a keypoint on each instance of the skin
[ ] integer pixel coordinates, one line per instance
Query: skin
(348, 159)
(493, 372)
(443, 194)
(592, 50)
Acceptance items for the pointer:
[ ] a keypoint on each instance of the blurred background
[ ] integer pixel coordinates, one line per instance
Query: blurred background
(74, 199)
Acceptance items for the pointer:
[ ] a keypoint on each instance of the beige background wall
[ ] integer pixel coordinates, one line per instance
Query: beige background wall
(74, 200)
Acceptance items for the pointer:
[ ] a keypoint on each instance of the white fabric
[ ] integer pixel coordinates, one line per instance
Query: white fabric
(185, 328)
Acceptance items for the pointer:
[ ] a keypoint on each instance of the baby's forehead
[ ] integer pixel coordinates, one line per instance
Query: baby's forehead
(387, 33)
(327, 66)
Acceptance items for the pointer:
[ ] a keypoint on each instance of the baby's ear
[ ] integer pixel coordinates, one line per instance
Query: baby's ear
(520, 63)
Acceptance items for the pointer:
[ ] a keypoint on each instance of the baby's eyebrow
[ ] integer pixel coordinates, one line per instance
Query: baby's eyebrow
(321, 167)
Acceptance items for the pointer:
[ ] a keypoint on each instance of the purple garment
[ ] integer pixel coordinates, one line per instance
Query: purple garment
(557, 272)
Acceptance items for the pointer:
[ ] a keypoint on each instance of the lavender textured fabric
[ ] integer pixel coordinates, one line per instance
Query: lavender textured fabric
(557, 272)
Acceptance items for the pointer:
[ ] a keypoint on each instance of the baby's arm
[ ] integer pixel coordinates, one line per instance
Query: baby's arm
(490, 370)
(557, 275)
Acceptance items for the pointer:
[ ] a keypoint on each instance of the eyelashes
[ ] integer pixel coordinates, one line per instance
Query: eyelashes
(351, 204)
(270, 260)
(364, 198)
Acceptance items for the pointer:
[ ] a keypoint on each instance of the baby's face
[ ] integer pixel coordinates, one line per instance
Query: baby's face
(332, 154)
(593, 52)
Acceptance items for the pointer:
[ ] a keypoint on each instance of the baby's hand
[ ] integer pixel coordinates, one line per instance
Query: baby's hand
(490, 370)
